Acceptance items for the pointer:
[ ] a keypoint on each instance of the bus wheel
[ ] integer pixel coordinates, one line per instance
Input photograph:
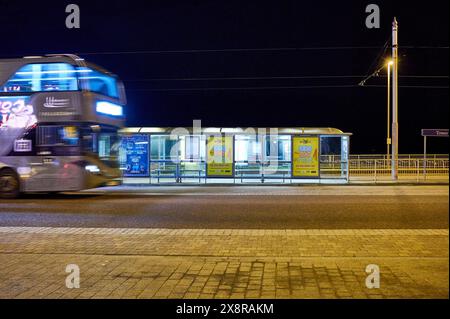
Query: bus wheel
(9, 184)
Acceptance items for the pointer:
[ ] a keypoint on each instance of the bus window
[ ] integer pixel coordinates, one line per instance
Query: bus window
(40, 77)
(97, 82)
(57, 140)
(103, 143)
(58, 136)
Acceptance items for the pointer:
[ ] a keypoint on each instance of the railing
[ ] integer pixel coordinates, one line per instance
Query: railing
(177, 171)
(384, 156)
(260, 171)
(378, 167)
(357, 168)
(414, 169)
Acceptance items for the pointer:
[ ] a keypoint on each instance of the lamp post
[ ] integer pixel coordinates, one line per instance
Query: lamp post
(394, 159)
(388, 139)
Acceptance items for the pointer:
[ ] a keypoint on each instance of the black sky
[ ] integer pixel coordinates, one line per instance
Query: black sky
(176, 27)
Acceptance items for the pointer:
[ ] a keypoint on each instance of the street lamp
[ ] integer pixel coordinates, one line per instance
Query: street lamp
(388, 139)
(394, 159)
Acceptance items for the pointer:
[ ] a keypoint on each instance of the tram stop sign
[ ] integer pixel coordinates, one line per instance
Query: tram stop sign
(435, 132)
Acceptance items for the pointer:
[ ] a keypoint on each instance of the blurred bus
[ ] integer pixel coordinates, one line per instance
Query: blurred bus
(59, 121)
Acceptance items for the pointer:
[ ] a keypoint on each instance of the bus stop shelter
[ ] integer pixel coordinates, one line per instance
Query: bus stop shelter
(155, 155)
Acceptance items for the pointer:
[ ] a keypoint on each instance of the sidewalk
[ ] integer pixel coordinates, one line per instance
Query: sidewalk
(199, 263)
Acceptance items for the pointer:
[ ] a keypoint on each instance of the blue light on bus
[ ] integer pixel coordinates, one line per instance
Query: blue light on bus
(109, 108)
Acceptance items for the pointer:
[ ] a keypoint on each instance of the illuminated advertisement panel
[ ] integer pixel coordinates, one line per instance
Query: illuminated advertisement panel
(135, 158)
(220, 156)
(16, 116)
(16, 112)
(305, 157)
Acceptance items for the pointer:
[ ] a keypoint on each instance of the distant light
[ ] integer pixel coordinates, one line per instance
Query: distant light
(109, 108)
(390, 63)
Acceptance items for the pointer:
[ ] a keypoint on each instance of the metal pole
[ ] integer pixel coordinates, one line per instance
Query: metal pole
(375, 176)
(388, 140)
(395, 100)
(424, 157)
(418, 170)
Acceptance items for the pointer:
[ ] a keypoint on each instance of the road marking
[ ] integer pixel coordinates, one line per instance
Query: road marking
(224, 232)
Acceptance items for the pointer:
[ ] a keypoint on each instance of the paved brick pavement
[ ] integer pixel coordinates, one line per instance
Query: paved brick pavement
(198, 263)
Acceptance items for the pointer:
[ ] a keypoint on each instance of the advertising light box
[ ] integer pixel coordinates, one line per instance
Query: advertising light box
(305, 157)
(220, 156)
(135, 162)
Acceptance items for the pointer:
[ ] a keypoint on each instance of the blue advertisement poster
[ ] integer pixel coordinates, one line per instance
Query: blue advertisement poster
(135, 161)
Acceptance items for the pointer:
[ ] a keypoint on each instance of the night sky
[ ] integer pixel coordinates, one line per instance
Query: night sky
(254, 63)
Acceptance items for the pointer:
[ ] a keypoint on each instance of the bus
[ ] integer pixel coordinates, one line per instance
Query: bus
(59, 122)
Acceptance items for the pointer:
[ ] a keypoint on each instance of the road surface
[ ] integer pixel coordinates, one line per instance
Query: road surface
(227, 242)
(312, 207)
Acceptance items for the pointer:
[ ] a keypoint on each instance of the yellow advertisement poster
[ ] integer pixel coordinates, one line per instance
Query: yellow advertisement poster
(305, 156)
(220, 156)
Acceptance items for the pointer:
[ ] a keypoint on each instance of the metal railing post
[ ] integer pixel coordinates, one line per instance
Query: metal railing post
(375, 170)
(418, 169)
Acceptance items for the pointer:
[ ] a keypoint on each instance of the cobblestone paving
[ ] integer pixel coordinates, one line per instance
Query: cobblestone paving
(196, 263)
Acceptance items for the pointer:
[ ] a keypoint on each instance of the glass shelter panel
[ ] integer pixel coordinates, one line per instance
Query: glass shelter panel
(163, 148)
(334, 156)
(192, 156)
(248, 156)
(163, 156)
(277, 156)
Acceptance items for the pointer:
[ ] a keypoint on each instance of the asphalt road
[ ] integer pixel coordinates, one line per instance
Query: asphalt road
(248, 210)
